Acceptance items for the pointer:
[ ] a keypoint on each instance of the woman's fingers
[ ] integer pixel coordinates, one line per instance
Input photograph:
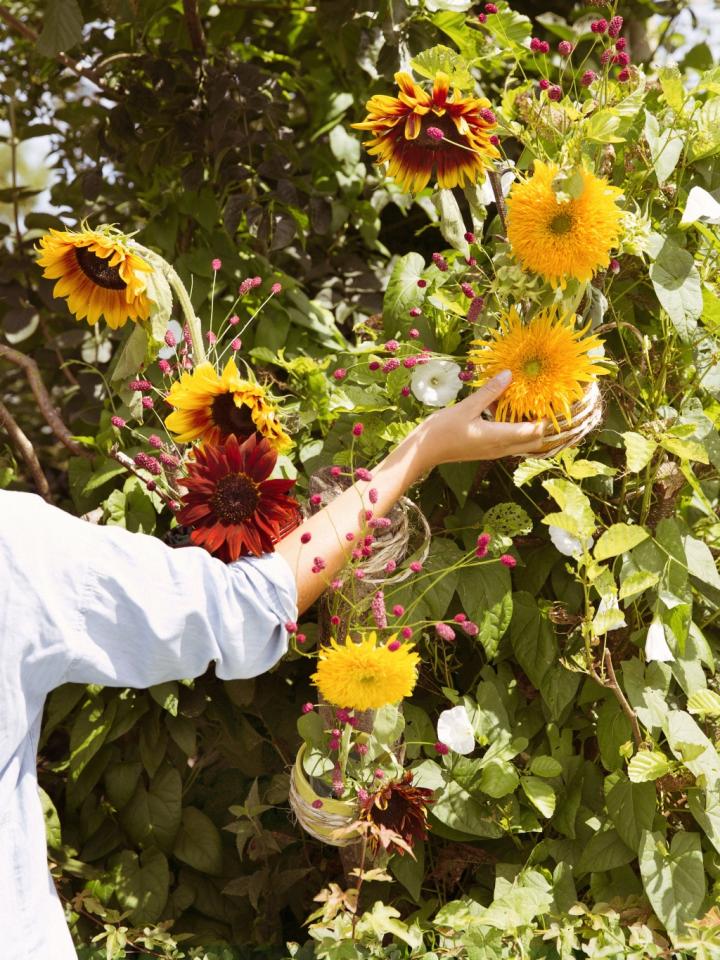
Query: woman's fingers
(489, 392)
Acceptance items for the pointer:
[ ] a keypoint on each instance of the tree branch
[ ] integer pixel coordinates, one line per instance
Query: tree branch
(621, 699)
(17, 26)
(42, 397)
(26, 451)
(194, 26)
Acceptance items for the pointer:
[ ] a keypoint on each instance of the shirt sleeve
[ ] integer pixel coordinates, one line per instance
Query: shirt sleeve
(150, 613)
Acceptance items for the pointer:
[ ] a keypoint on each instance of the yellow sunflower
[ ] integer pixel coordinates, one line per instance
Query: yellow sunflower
(572, 238)
(98, 273)
(366, 675)
(550, 363)
(417, 132)
(211, 406)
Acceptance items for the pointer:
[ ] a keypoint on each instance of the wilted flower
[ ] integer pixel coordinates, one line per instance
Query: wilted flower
(397, 814)
(656, 647)
(436, 383)
(455, 729)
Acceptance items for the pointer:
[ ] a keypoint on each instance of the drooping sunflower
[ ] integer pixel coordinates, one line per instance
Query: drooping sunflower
(568, 238)
(98, 273)
(418, 132)
(397, 814)
(550, 360)
(211, 406)
(230, 503)
(366, 675)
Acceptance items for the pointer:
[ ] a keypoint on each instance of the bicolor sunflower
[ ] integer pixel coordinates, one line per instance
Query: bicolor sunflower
(99, 274)
(417, 133)
(211, 406)
(232, 506)
(550, 360)
(560, 239)
(366, 675)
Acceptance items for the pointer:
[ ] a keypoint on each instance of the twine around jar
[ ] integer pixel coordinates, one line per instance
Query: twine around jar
(585, 416)
(321, 823)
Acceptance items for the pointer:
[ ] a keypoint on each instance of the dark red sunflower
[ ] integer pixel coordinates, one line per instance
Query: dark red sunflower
(397, 814)
(232, 506)
(418, 132)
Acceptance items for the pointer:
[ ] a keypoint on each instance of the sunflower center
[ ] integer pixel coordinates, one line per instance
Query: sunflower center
(561, 223)
(532, 368)
(231, 418)
(99, 270)
(236, 498)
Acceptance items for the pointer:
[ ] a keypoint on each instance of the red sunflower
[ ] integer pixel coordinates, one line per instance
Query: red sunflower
(417, 132)
(396, 814)
(232, 506)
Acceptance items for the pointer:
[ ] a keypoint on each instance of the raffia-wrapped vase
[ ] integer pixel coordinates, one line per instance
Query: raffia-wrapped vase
(323, 822)
(585, 415)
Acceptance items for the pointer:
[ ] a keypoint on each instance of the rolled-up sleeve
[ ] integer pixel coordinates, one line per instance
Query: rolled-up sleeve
(149, 613)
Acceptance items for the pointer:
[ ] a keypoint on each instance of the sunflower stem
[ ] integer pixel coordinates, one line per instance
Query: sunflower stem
(494, 179)
(183, 296)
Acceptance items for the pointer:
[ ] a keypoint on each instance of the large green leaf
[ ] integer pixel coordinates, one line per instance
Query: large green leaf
(402, 291)
(141, 884)
(153, 816)
(198, 843)
(486, 598)
(674, 878)
(604, 851)
(677, 285)
(631, 807)
(62, 27)
(618, 538)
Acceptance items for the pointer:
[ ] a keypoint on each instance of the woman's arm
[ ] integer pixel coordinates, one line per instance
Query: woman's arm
(453, 434)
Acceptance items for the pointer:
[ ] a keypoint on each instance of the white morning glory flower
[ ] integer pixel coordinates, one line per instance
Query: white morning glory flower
(436, 383)
(609, 604)
(454, 6)
(656, 647)
(701, 207)
(566, 544)
(165, 352)
(455, 730)
(486, 195)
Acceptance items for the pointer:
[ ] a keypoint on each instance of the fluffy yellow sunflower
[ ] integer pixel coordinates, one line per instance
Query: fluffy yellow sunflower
(366, 675)
(211, 406)
(550, 360)
(568, 238)
(98, 273)
(417, 132)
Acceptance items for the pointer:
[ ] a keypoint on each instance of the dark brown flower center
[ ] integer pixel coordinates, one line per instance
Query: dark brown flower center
(561, 223)
(99, 270)
(235, 499)
(231, 418)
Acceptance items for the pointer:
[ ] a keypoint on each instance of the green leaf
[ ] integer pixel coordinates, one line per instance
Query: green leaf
(198, 843)
(508, 520)
(532, 638)
(441, 59)
(577, 516)
(613, 731)
(388, 724)
(604, 851)
(486, 598)
(452, 226)
(706, 703)
(691, 746)
(88, 733)
(141, 884)
(540, 794)
(631, 807)
(152, 817)
(545, 767)
(677, 285)
(665, 147)
(705, 807)
(132, 354)
(529, 469)
(619, 538)
(53, 833)
(166, 695)
(62, 27)
(674, 879)
(672, 85)
(121, 780)
(636, 582)
(639, 449)
(604, 126)
(455, 807)
(700, 562)
(648, 765)
(402, 291)
(685, 449)
(410, 872)
(498, 778)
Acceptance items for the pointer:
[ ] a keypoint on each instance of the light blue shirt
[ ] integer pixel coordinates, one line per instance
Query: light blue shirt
(86, 604)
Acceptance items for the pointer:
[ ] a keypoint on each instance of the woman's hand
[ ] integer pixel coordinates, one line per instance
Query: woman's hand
(460, 433)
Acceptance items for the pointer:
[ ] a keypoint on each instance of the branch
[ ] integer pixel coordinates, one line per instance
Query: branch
(194, 26)
(621, 699)
(494, 178)
(26, 451)
(29, 34)
(42, 397)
